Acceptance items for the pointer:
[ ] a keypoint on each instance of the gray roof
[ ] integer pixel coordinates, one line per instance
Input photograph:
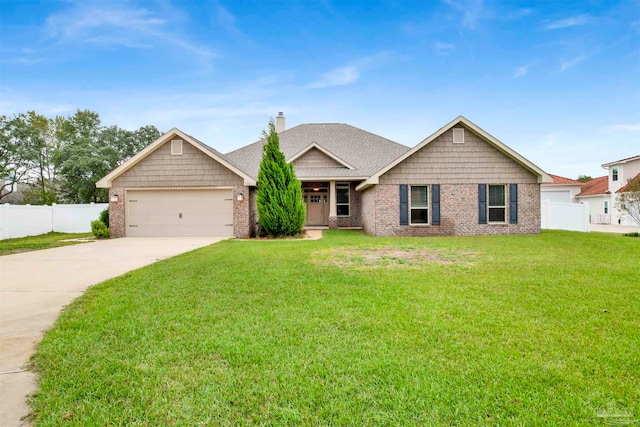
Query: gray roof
(365, 151)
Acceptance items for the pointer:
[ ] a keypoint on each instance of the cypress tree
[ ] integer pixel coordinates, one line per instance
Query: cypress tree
(280, 208)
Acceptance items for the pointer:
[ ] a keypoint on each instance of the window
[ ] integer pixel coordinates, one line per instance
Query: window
(497, 203)
(458, 135)
(342, 199)
(614, 174)
(419, 204)
(606, 206)
(176, 147)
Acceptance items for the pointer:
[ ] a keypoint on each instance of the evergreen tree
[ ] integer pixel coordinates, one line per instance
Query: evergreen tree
(280, 208)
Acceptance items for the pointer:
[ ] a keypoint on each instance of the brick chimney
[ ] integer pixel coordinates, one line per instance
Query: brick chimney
(280, 123)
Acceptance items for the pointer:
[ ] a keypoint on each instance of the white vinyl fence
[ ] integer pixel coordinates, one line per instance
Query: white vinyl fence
(27, 220)
(565, 216)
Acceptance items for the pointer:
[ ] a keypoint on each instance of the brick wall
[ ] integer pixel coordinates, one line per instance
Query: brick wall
(241, 212)
(368, 210)
(458, 212)
(253, 211)
(116, 213)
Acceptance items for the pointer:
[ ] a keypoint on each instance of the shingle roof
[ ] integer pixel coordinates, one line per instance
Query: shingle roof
(363, 150)
(596, 186)
(560, 180)
(623, 189)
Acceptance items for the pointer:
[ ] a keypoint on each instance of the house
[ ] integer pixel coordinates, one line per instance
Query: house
(458, 181)
(601, 192)
(560, 190)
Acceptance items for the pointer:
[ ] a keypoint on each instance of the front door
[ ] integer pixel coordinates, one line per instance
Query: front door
(317, 207)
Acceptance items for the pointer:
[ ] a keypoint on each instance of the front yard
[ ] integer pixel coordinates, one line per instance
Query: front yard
(42, 241)
(355, 330)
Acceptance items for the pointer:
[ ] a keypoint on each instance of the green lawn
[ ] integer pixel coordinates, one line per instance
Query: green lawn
(34, 243)
(355, 330)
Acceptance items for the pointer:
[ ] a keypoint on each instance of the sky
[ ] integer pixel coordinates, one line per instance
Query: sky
(557, 81)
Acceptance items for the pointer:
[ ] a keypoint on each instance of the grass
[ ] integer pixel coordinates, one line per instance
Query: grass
(34, 243)
(492, 330)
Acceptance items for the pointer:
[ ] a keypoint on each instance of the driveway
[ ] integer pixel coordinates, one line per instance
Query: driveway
(35, 286)
(613, 228)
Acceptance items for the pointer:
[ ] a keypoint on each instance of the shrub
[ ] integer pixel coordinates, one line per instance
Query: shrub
(104, 217)
(281, 210)
(632, 234)
(100, 230)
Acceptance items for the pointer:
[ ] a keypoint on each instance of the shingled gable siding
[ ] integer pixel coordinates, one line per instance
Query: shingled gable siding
(458, 168)
(315, 158)
(443, 162)
(192, 168)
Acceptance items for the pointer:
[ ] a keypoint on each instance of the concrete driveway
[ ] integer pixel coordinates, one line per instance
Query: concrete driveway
(35, 286)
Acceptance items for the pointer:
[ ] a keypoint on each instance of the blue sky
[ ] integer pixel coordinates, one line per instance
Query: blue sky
(558, 81)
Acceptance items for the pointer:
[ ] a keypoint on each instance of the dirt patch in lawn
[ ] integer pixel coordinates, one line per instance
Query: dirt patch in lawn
(392, 256)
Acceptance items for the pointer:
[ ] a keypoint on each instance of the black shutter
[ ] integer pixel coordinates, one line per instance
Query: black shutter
(482, 203)
(435, 204)
(513, 203)
(404, 204)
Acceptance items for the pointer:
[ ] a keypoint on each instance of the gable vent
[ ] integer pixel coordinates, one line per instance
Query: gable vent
(176, 147)
(458, 135)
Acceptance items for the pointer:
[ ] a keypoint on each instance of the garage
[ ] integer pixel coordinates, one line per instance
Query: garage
(179, 213)
(556, 196)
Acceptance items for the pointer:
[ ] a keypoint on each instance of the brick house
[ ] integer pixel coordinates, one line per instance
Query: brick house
(458, 181)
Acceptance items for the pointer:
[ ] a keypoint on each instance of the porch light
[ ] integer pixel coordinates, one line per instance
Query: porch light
(316, 189)
(114, 197)
(240, 197)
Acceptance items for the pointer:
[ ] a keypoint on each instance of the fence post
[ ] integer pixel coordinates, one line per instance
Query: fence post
(586, 215)
(53, 216)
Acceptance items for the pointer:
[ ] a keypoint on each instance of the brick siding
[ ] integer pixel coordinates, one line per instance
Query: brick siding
(241, 212)
(458, 212)
(116, 213)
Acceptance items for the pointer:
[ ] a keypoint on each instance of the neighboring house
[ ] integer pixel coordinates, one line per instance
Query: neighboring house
(458, 181)
(601, 192)
(14, 194)
(561, 190)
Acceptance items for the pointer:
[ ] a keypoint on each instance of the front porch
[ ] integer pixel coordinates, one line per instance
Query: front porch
(331, 204)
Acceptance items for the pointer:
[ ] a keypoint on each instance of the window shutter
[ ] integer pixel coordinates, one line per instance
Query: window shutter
(482, 203)
(435, 204)
(404, 204)
(513, 203)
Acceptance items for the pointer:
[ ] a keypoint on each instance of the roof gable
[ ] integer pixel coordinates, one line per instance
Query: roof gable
(543, 177)
(315, 153)
(360, 153)
(107, 181)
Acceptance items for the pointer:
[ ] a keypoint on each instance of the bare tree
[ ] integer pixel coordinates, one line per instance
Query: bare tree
(628, 200)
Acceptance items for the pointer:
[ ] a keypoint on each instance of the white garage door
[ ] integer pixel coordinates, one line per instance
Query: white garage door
(179, 213)
(563, 196)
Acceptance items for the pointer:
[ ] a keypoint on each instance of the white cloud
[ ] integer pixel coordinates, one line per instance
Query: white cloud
(520, 71)
(472, 11)
(627, 127)
(570, 63)
(337, 77)
(112, 25)
(443, 48)
(569, 22)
